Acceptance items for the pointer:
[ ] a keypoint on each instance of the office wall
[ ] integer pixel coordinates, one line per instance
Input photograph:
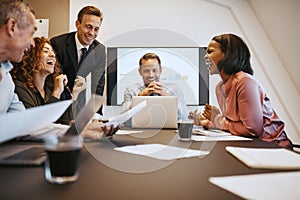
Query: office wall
(57, 11)
(279, 19)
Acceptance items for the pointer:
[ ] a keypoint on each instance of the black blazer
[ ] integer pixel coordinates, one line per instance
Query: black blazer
(95, 62)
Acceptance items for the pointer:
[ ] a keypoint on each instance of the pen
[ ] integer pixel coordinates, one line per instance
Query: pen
(69, 91)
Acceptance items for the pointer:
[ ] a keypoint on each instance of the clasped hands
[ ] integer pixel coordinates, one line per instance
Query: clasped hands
(203, 118)
(154, 88)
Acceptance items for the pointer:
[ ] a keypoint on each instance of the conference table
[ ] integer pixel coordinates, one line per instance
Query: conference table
(105, 173)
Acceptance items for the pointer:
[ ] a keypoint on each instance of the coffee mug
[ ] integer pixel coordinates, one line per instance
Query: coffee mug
(185, 130)
(62, 158)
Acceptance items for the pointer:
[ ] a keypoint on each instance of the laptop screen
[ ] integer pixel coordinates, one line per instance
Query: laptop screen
(160, 112)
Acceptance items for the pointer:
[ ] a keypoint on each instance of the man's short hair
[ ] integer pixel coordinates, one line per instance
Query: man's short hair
(89, 10)
(148, 56)
(17, 9)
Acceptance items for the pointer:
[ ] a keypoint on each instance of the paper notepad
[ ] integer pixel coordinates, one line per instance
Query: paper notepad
(160, 151)
(275, 186)
(274, 158)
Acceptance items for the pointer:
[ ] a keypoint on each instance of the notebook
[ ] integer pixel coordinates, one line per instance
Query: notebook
(266, 158)
(160, 112)
(34, 155)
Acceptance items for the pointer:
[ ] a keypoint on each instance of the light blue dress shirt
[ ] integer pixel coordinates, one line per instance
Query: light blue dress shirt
(171, 88)
(9, 101)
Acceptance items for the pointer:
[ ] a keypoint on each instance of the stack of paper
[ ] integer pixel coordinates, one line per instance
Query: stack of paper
(278, 158)
(200, 134)
(200, 138)
(210, 132)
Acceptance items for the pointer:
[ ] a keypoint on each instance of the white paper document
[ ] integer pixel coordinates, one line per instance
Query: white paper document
(127, 132)
(55, 129)
(275, 186)
(120, 119)
(274, 158)
(160, 151)
(210, 132)
(22, 123)
(202, 138)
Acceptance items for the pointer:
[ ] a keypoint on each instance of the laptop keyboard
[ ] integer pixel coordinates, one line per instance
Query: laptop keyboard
(31, 156)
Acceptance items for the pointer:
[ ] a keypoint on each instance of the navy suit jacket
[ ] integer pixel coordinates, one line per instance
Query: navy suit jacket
(95, 62)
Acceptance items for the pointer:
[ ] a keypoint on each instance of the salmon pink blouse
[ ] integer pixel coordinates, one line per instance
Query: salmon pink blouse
(246, 110)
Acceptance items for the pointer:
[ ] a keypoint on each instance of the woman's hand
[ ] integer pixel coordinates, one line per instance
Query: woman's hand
(200, 120)
(79, 85)
(59, 83)
(210, 112)
(192, 114)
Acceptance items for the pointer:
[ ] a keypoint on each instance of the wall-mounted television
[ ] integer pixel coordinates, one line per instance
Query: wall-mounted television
(184, 66)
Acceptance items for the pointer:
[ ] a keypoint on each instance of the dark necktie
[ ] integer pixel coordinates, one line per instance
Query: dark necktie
(83, 55)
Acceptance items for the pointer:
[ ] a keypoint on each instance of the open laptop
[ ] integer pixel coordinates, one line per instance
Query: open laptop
(33, 155)
(160, 112)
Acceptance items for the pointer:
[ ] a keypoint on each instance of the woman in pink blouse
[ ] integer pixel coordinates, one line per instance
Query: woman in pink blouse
(245, 107)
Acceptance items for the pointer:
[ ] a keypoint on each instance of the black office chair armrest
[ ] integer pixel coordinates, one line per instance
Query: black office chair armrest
(296, 145)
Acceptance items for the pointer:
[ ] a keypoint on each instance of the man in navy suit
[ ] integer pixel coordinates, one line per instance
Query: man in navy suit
(69, 47)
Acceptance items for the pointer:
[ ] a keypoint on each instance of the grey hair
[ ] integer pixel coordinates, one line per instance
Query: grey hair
(17, 9)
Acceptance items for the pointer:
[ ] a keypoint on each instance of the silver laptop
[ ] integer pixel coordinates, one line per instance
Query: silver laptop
(160, 112)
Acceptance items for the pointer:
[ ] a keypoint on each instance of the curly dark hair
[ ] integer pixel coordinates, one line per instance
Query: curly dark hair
(236, 54)
(25, 70)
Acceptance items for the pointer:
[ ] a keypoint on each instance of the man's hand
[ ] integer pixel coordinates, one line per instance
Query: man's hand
(97, 130)
(154, 88)
(79, 85)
